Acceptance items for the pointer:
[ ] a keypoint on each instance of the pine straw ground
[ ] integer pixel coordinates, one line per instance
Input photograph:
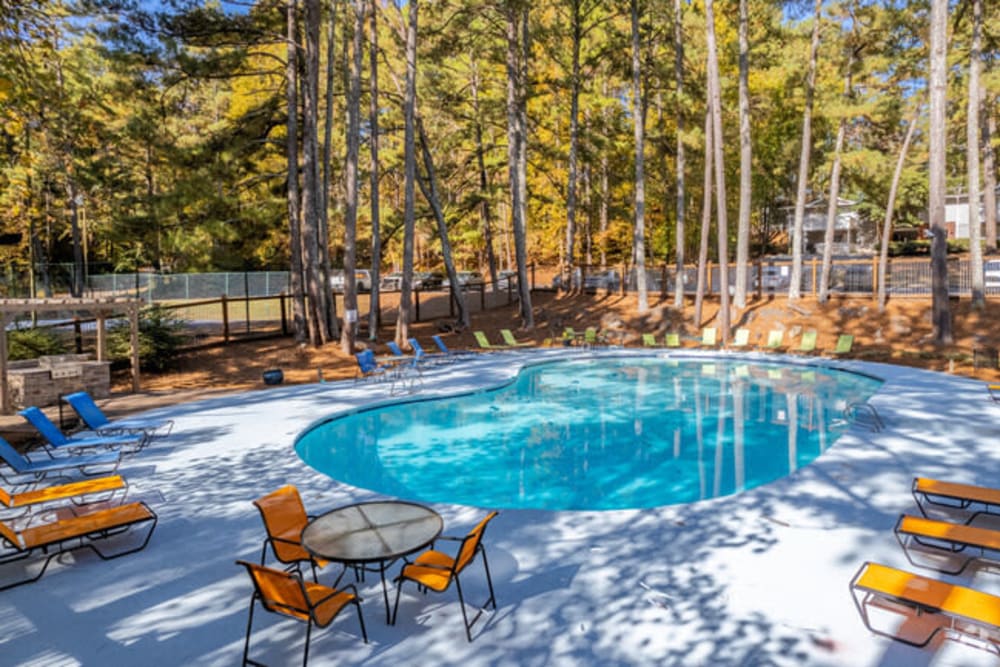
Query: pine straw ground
(900, 335)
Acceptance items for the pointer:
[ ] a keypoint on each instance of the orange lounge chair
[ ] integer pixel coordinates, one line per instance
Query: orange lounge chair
(434, 570)
(284, 518)
(953, 496)
(78, 493)
(950, 538)
(76, 532)
(968, 612)
(287, 594)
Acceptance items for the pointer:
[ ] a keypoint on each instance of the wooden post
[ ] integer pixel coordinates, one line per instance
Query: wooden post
(133, 317)
(482, 297)
(4, 392)
(225, 319)
(875, 260)
(416, 305)
(814, 267)
(284, 315)
(102, 336)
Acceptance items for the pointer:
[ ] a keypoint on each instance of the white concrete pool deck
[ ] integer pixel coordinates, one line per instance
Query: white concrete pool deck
(758, 578)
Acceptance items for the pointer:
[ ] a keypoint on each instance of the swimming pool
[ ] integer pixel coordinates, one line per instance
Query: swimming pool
(595, 433)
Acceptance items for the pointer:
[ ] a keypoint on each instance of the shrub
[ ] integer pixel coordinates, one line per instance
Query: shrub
(161, 335)
(33, 343)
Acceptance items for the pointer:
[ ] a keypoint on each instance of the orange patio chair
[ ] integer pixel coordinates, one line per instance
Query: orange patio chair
(435, 570)
(284, 518)
(285, 593)
(75, 532)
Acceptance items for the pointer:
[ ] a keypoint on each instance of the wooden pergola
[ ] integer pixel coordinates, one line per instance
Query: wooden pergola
(101, 309)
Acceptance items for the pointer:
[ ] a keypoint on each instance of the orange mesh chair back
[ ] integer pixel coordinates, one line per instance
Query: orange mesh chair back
(435, 570)
(285, 593)
(284, 518)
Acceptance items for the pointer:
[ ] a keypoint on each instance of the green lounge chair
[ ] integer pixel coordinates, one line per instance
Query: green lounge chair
(649, 340)
(510, 341)
(807, 344)
(672, 340)
(591, 338)
(844, 344)
(485, 344)
(709, 336)
(775, 338)
(741, 340)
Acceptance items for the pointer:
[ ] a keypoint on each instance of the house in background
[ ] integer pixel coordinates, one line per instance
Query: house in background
(956, 214)
(852, 233)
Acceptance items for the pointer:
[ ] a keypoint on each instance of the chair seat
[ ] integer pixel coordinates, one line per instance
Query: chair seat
(65, 491)
(431, 569)
(978, 494)
(326, 610)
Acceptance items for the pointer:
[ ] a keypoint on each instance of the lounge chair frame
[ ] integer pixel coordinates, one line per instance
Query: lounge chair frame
(952, 539)
(953, 496)
(56, 439)
(25, 472)
(923, 602)
(95, 419)
(77, 532)
(302, 609)
(474, 542)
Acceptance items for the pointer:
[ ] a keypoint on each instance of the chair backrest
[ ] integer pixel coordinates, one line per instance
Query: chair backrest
(508, 336)
(774, 337)
(482, 339)
(844, 343)
(366, 361)
(440, 344)
(13, 459)
(284, 516)
(394, 348)
(672, 340)
(590, 335)
(279, 591)
(417, 348)
(808, 342)
(648, 340)
(742, 338)
(708, 335)
(44, 425)
(87, 409)
(471, 543)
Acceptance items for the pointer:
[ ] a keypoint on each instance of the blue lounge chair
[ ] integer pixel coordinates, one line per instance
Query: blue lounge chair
(423, 357)
(396, 351)
(451, 354)
(26, 471)
(98, 422)
(56, 439)
(369, 368)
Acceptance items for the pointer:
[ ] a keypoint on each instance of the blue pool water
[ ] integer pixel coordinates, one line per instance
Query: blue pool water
(600, 434)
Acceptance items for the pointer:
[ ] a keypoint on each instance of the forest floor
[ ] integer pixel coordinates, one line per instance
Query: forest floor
(900, 335)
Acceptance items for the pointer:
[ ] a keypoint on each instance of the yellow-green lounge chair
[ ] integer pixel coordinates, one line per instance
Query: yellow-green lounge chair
(82, 493)
(484, 342)
(435, 570)
(672, 340)
(967, 611)
(954, 496)
(570, 336)
(807, 344)
(285, 593)
(649, 340)
(510, 341)
(775, 338)
(844, 344)
(709, 336)
(741, 339)
(591, 338)
(75, 532)
(950, 538)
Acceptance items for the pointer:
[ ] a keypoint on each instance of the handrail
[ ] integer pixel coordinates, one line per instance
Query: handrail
(851, 412)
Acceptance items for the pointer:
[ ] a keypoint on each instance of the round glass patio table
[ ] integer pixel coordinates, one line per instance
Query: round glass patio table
(373, 533)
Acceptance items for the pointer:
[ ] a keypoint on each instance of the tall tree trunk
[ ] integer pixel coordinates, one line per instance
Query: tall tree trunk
(938, 83)
(324, 221)
(292, 187)
(351, 181)
(428, 186)
(76, 286)
(972, 136)
(517, 126)
(706, 220)
(605, 193)
(409, 176)
(375, 302)
(679, 232)
(746, 162)
(795, 287)
(574, 139)
(883, 262)
(317, 317)
(989, 127)
(485, 211)
(715, 91)
(639, 126)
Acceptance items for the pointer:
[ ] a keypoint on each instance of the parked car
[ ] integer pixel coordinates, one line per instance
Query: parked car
(991, 275)
(465, 279)
(427, 280)
(505, 278)
(606, 280)
(392, 282)
(362, 280)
